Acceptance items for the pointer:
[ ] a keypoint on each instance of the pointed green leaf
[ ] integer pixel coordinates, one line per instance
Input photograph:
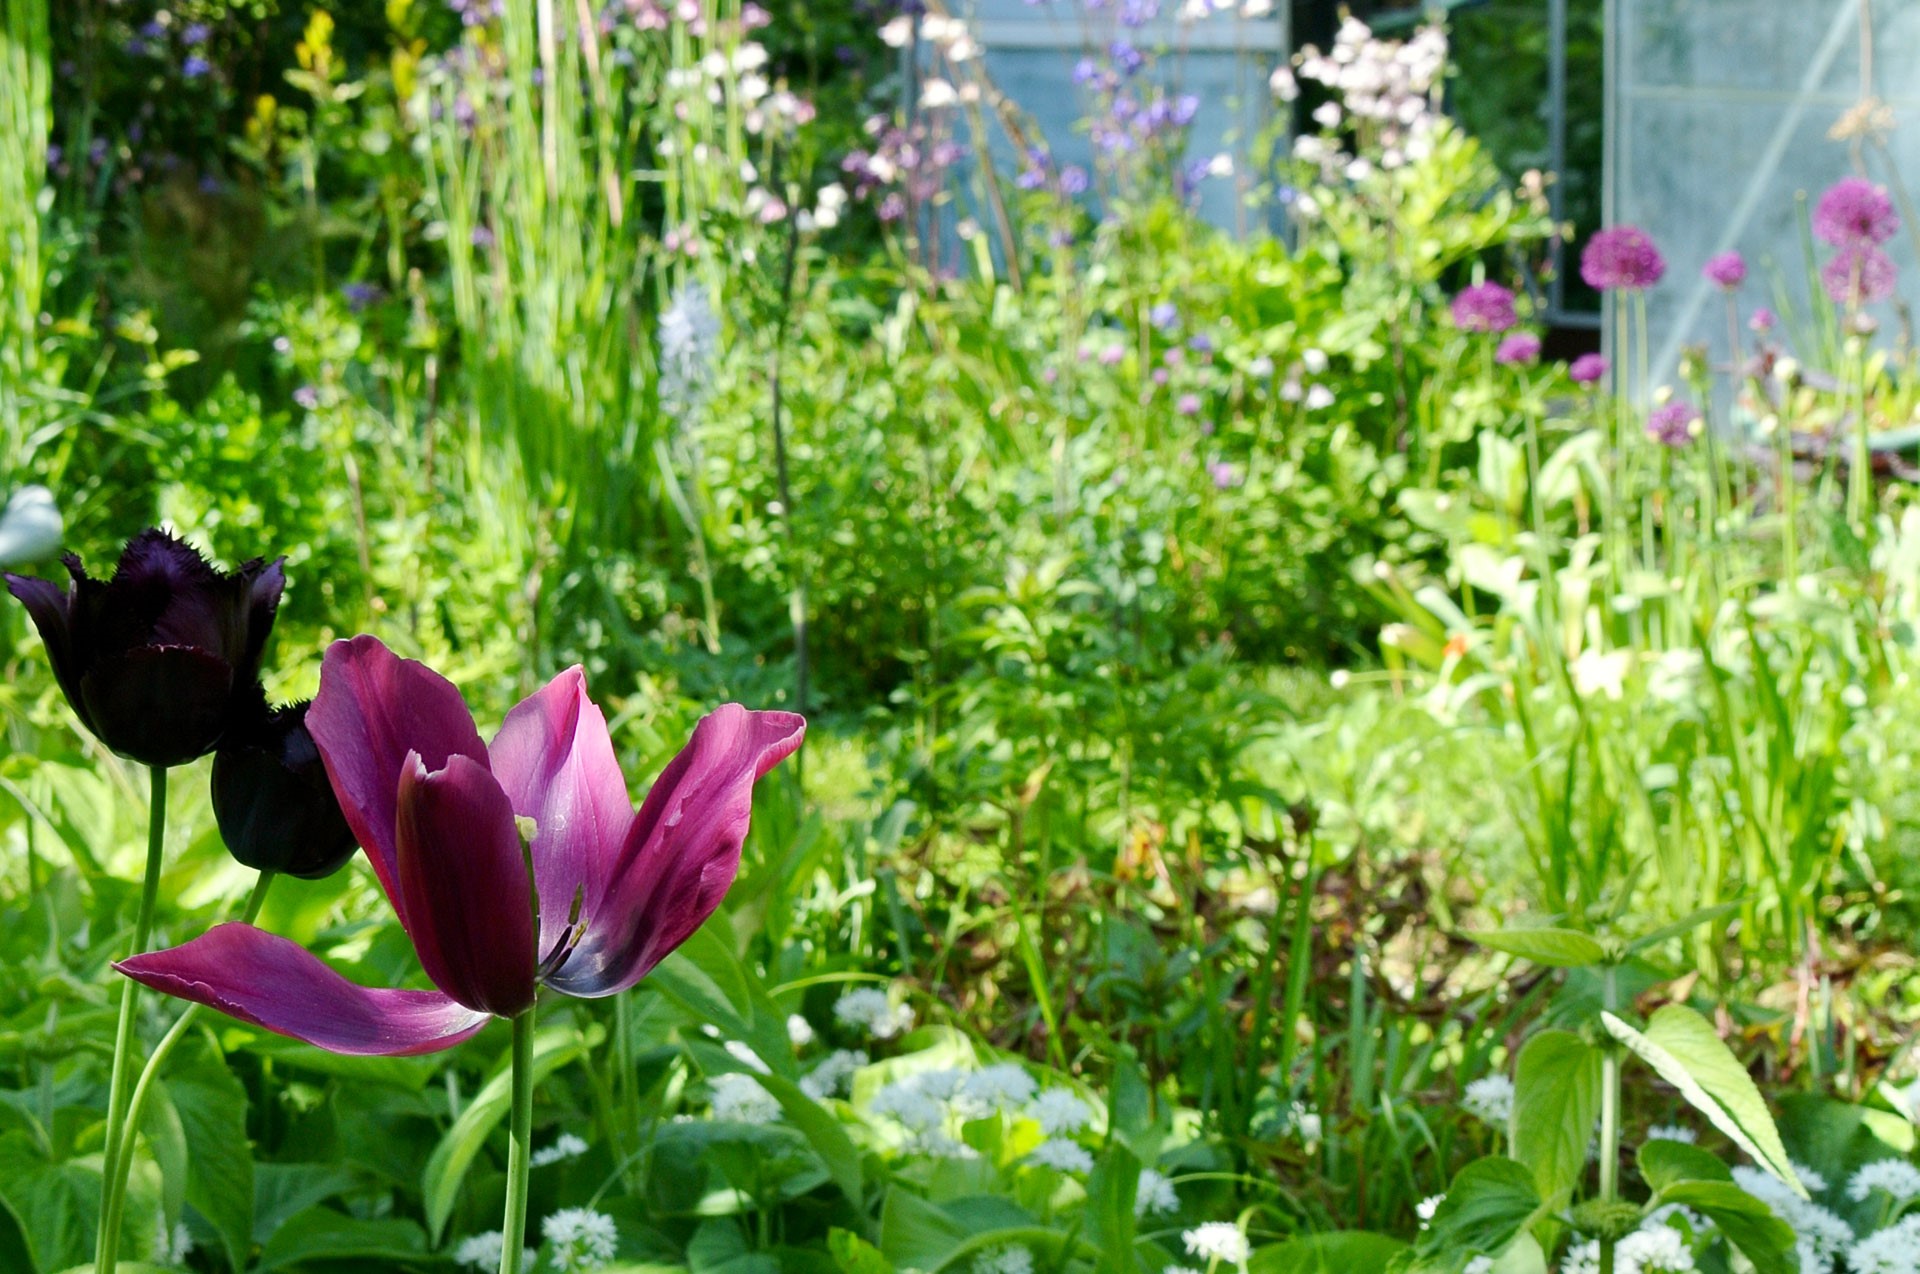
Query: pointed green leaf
(1556, 1100)
(1557, 948)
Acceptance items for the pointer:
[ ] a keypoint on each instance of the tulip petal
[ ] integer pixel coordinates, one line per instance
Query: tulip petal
(264, 979)
(683, 851)
(373, 708)
(263, 585)
(46, 604)
(469, 905)
(555, 760)
(158, 705)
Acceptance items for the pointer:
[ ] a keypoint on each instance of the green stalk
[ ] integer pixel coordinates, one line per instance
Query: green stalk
(1609, 1118)
(112, 1168)
(116, 1185)
(519, 1145)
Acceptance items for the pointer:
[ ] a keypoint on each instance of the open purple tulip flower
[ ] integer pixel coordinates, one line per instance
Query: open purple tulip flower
(443, 818)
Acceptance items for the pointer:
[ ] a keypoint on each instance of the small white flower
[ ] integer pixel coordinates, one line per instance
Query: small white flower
(936, 93)
(1062, 1155)
(908, 1104)
(897, 32)
(1894, 1250)
(1479, 1265)
(1813, 1181)
(1218, 1241)
(1427, 1207)
(739, 1099)
(1305, 1121)
(833, 1075)
(1319, 397)
(1582, 1258)
(171, 1247)
(1660, 1250)
(1004, 1086)
(1059, 1111)
(582, 1239)
(1490, 1100)
(482, 1252)
(1012, 1258)
(1672, 1132)
(747, 1057)
(1895, 1177)
(567, 1147)
(869, 1009)
(1314, 360)
(799, 1031)
(1285, 87)
(1327, 115)
(1154, 1195)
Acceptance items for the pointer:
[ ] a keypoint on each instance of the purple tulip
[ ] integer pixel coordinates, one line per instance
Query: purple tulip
(442, 817)
(271, 798)
(158, 660)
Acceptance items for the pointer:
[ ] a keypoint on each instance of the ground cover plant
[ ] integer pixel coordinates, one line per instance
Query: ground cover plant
(1294, 778)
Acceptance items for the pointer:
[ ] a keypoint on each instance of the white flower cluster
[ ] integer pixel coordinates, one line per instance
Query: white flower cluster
(567, 1146)
(1155, 1195)
(1001, 1088)
(869, 1009)
(1672, 1132)
(1388, 85)
(834, 1075)
(1010, 1258)
(1490, 1100)
(582, 1239)
(1894, 1177)
(1821, 1235)
(689, 337)
(171, 1247)
(741, 76)
(1894, 1250)
(799, 1031)
(921, 1104)
(1058, 1111)
(1218, 1241)
(1061, 1155)
(482, 1252)
(739, 1099)
(1652, 1249)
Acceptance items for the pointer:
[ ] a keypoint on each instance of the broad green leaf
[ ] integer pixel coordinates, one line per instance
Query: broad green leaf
(1556, 1100)
(1749, 1224)
(166, 1140)
(824, 1133)
(1113, 1187)
(854, 1255)
(914, 1233)
(55, 1204)
(1489, 1203)
(1664, 1164)
(1682, 1047)
(321, 1234)
(447, 1168)
(212, 1106)
(1336, 1253)
(1557, 948)
(282, 1189)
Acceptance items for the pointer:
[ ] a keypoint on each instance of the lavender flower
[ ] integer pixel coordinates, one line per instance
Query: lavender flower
(1674, 424)
(1164, 315)
(1484, 307)
(1855, 213)
(1587, 369)
(1728, 270)
(1858, 276)
(1518, 350)
(195, 66)
(1621, 258)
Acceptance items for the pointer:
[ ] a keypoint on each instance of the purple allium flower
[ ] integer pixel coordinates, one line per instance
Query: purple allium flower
(1164, 315)
(195, 66)
(1621, 258)
(1587, 369)
(1763, 320)
(1225, 476)
(307, 396)
(1860, 275)
(1728, 270)
(1855, 213)
(1110, 355)
(1161, 375)
(1518, 350)
(1188, 405)
(1673, 425)
(1484, 307)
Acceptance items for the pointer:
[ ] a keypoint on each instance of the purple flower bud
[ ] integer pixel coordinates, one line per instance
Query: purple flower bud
(1855, 213)
(1518, 350)
(1484, 307)
(1587, 369)
(1621, 258)
(1673, 425)
(1728, 270)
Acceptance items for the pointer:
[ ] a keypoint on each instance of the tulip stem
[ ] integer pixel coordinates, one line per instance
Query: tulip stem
(519, 1145)
(115, 1149)
(116, 1184)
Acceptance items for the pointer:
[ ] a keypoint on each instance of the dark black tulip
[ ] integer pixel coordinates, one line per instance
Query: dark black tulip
(271, 797)
(156, 660)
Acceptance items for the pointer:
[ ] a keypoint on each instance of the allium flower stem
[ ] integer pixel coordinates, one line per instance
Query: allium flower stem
(519, 1144)
(108, 1240)
(116, 1186)
(1609, 1113)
